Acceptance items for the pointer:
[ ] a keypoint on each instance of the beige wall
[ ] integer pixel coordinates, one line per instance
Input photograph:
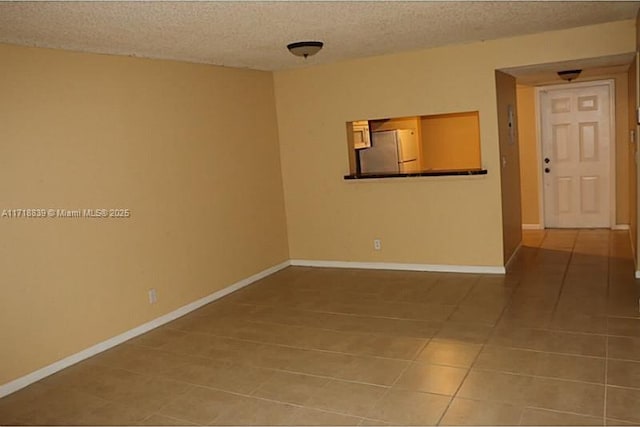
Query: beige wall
(637, 128)
(631, 156)
(191, 150)
(450, 220)
(451, 141)
(621, 82)
(530, 165)
(510, 164)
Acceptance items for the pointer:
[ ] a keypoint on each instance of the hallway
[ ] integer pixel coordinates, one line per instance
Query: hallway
(554, 342)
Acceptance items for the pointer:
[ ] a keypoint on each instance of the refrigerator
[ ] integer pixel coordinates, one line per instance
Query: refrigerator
(394, 151)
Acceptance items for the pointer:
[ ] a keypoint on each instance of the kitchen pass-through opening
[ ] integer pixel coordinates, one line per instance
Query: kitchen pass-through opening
(409, 145)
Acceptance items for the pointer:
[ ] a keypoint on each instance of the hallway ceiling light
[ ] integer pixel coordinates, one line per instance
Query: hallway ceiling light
(306, 48)
(569, 75)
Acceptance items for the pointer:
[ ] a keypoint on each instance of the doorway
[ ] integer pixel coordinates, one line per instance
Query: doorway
(577, 161)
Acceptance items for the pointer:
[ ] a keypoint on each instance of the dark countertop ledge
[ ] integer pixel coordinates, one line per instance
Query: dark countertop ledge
(452, 172)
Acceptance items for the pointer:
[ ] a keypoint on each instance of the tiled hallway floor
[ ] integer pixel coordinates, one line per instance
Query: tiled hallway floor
(555, 341)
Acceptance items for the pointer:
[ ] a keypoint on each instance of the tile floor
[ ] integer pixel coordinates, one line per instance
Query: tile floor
(554, 342)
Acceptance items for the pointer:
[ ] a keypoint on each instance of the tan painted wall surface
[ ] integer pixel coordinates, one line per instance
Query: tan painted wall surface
(451, 220)
(530, 166)
(622, 147)
(451, 141)
(631, 157)
(637, 164)
(510, 168)
(191, 150)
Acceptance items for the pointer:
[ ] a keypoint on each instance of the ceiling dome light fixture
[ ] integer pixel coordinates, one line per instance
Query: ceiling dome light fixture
(569, 75)
(308, 48)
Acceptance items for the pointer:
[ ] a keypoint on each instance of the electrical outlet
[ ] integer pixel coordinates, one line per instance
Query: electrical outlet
(377, 244)
(153, 296)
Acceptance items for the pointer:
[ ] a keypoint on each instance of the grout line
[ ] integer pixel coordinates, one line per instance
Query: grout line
(484, 323)
(619, 421)
(565, 331)
(169, 401)
(493, 331)
(545, 377)
(366, 355)
(157, 413)
(475, 359)
(408, 363)
(455, 393)
(260, 384)
(231, 337)
(281, 370)
(434, 337)
(374, 316)
(623, 359)
(271, 343)
(625, 317)
(564, 276)
(454, 308)
(461, 301)
(236, 393)
(606, 348)
(522, 409)
(283, 322)
(81, 390)
(526, 406)
(363, 355)
(386, 393)
(516, 287)
(421, 349)
(623, 387)
(265, 399)
(557, 411)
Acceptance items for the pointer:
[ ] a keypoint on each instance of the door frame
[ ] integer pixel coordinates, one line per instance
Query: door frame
(539, 91)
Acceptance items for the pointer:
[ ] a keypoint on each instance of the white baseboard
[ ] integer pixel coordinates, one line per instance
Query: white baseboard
(445, 268)
(532, 227)
(540, 227)
(620, 227)
(28, 379)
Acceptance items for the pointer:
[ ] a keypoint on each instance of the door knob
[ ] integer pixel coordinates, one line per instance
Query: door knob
(546, 160)
(547, 170)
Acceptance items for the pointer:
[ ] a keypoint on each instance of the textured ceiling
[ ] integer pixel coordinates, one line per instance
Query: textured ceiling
(254, 34)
